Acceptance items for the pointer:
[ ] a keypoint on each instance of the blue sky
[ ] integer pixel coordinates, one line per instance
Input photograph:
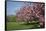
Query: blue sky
(13, 6)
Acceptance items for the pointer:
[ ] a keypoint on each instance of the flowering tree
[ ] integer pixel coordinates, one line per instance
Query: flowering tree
(32, 11)
(39, 10)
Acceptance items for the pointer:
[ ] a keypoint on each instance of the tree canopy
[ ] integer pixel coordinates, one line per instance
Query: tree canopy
(30, 12)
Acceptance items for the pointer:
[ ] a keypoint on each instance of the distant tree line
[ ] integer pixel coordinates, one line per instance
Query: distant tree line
(11, 18)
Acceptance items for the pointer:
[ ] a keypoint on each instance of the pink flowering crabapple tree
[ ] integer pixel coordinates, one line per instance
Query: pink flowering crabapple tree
(31, 11)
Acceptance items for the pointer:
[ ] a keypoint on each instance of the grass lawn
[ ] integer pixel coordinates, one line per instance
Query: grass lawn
(17, 26)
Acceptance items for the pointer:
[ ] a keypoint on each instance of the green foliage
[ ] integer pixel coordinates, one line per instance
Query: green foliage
(11, 18)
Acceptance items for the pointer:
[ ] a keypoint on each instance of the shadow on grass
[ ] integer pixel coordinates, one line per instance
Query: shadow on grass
(30, 23)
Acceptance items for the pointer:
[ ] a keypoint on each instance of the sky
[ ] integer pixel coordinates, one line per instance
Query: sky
(12, 7)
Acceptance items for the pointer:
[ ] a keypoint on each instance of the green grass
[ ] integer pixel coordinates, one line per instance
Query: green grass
(17, 26)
